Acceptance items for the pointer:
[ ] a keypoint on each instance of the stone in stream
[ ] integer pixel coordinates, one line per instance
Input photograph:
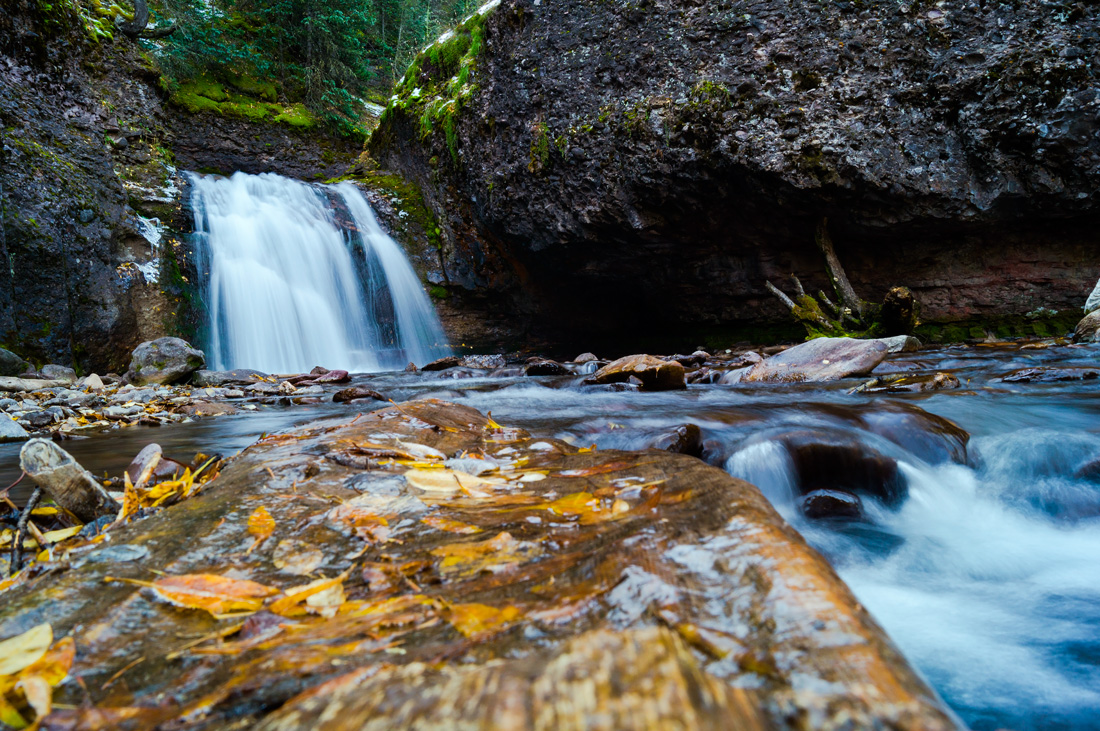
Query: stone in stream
(334, 376)
(820, 359)
(463, 572)
(1088, 329)
(441, 364)
(682, 439)
(152, 458)
(207, 408)
(698, 358)
(585, 358)
(932, 438)
(901, 344)
(11, 364)
(56, 372)
(10, 431)
(654, 374)
(91, 382)
(357, 393)
(829, 460)
(27, 384)
(909, 383)
(165, 360)
(235, 377)
(544, 367)
(1049, 374)
(831, 504)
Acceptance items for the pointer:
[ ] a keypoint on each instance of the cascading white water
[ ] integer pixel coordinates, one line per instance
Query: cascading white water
(289, 287)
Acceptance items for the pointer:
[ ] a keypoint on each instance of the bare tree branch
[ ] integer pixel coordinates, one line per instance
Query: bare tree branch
(844, 292)
(136, 28)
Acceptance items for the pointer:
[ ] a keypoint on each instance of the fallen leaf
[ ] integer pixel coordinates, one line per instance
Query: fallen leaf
(573, 505)
(297, 557)
(450, 526)
(24, 650)
(289, 605)
(361, 522)
(218, 595)
(261, 525)
(451, 481)
(475, 619)
(498, 554)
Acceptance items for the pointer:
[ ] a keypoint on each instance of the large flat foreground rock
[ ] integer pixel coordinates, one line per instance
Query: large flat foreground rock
(560, 588)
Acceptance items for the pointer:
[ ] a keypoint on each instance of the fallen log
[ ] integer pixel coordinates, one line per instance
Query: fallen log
(67, 483)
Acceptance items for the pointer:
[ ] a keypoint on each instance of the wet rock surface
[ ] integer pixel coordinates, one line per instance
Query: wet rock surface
(820, 359)
(598, 140)
(648, 372)
(553, 567)
(165, 360)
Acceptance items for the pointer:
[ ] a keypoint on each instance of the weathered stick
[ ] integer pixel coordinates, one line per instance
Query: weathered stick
(16, 561)
(71, 486)
(844, 292)
(779, 293)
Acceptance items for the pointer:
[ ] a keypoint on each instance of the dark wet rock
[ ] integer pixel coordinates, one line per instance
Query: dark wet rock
(544, 367)
(450, 361)
(165, 360)
(696, 359)
(236, 377)
(318, 371)
(357, 393)
(821, 359)
(715, 452)
(601, 145)
(910, 383)
(484, 362)
(737, 375)
(151, 457)
(898, 313)
(10, 431)
(1088, 329)
(11, 364)
(683, 439)
(826, 460)
(622, 387)
(1088, 471)
(704, 375)
(653, 374)
(585, 358)
(509, 372)
(460, 604)
(335, 376)
(929, 437)
(42, 419)
(1048, 374)
(53, 372)
(831, 504)
(207, 408)
(411, 367)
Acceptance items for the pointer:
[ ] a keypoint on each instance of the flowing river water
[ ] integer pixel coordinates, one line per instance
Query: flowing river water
(984, 569)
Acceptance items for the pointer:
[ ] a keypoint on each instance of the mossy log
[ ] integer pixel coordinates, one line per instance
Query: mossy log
(566, 588)
(851, 316)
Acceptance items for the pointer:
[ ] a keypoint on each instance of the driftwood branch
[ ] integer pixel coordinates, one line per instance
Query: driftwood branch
(69, 485)
(16, 561)
(837, 277)
(782, 297)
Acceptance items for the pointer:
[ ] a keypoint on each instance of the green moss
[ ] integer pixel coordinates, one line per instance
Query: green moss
(439, 292)
(205, 96)
(405, 194)
(254, 87)
(436, 86)
(540, 148)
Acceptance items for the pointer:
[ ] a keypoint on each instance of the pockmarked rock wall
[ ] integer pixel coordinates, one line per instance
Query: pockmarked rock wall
(643, 164)
(559, 587)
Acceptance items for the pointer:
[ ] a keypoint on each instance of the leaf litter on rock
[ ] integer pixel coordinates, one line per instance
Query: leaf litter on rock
(219, 595)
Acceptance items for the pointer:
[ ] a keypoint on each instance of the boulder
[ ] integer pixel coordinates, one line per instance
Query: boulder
(927, 436)
(10, 431)
(11, 364)
(901, 344)
(544, 367)
(585, 358)
(1088, 329)
(357, 393)
(654, 373)
(484, 362)
(207, 408)
(831, 460)
(334, 376)
(683, 439)
(164, 360)
(92, 383)
(56, 372)
(821, 359)
(236, 377)
(27, 384)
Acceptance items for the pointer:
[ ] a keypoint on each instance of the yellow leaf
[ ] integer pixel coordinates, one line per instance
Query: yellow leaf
(24, 650)
(261, 525)
(475, 619)
(53, 667)
(297, 557)
(218, 595)
(289, 604)
(498, 554)
(572, 505)
(56, 536)
(451, 526)
(9, 716)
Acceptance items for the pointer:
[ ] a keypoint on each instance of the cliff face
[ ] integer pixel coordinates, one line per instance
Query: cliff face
(625, 165)
(92, 233)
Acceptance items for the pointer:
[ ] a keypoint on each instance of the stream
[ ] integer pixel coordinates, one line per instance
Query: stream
(983, 567)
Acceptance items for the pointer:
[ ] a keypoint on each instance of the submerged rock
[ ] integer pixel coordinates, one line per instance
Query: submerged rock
(653, 373)
(910, 383)
(165, 360)
(544, 367)
(1047, 374)
(820, 359)
(831, 504)
(495, 615)
(357, 393)
(683, 439)
(826, 460)
(441, 364)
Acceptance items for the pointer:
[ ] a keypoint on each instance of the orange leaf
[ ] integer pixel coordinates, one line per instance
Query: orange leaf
(451, 526)
(498, 554)
(475, 619)
(261, 525)
(218, 595)
(289, 605)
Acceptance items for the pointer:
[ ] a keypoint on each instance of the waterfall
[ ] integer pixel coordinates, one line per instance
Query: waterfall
(297, 275)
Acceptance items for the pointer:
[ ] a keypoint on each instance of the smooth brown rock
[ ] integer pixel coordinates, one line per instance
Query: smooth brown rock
(441, 364)
(207, 408)
(544, 367)
(357, 392)
(654, 373)
(447, 582)
(820, 359)
(831, 504)
(683, 439)
(585, 358)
